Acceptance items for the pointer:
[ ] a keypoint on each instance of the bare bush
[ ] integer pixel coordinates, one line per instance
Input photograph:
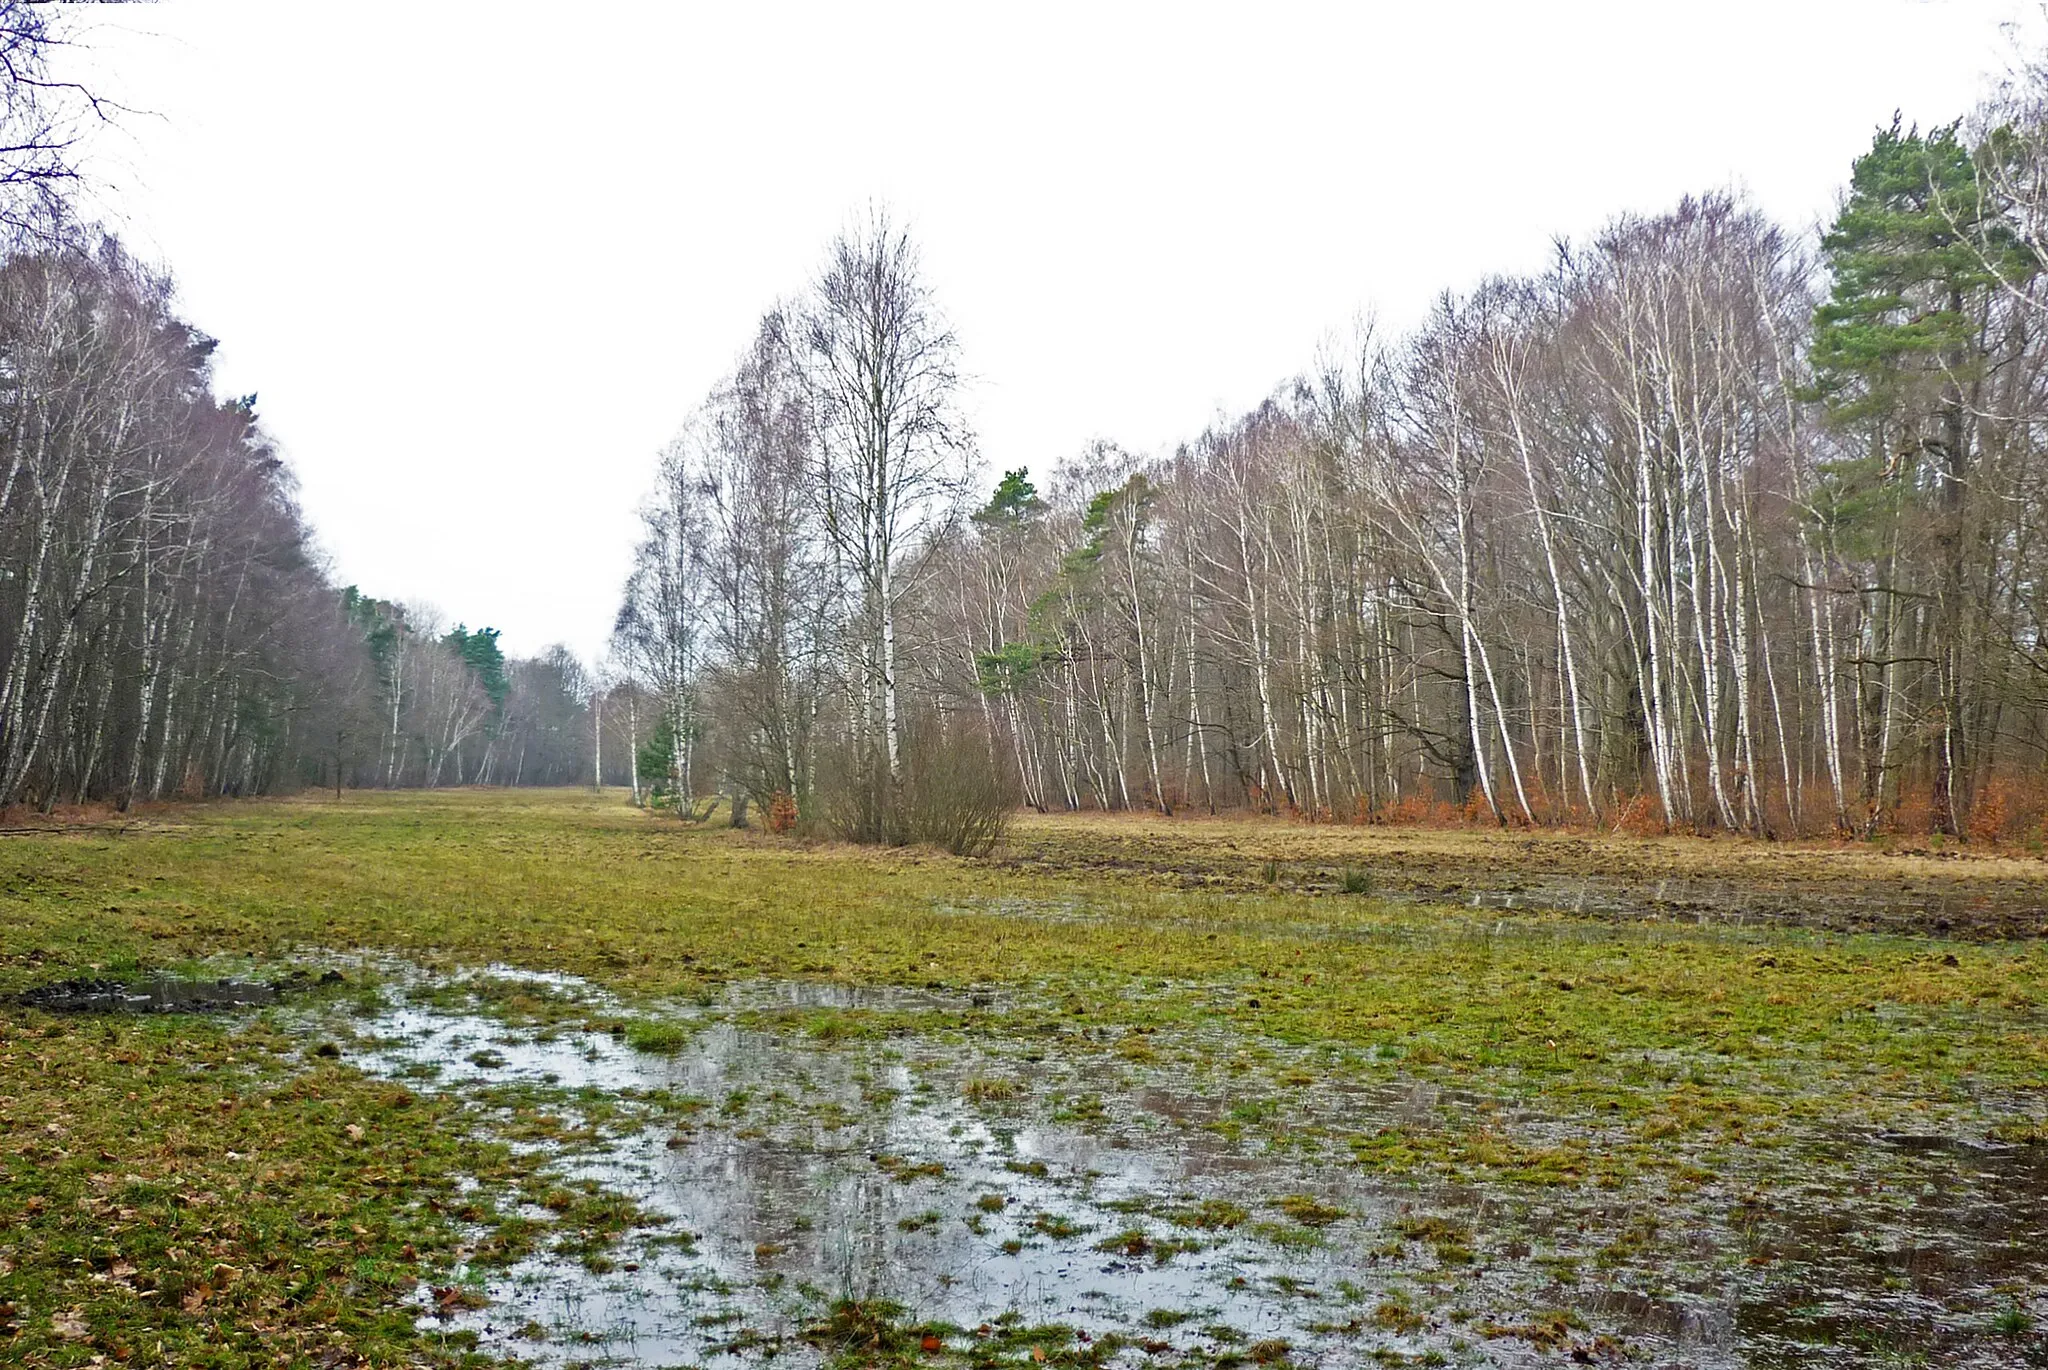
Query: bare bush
(954, 795)
(851, 800)
(951, 796)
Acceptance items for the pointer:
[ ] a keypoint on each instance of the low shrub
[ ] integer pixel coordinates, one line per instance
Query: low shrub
(952, 793)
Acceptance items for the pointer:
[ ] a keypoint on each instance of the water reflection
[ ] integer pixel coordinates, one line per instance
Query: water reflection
(817, 1170)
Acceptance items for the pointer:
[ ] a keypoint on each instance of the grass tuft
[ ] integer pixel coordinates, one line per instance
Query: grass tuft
(657, 1036)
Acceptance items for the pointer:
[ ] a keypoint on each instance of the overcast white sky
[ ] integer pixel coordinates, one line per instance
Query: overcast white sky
(480, 259)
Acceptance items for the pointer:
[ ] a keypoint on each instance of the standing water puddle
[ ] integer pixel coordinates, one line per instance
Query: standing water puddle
(994, 1192)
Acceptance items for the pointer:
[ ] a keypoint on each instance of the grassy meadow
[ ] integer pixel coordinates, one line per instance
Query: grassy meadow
(1695, 1094)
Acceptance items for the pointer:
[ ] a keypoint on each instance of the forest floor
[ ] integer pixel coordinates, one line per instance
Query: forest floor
(551, 1079)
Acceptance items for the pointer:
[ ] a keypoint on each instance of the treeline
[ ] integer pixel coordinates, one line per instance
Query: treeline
(1703, 527)
(427, 707)
(166, 628)
(775, 605)
(154, 587)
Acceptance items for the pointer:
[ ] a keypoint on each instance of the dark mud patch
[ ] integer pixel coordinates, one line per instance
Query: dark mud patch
(161, 994)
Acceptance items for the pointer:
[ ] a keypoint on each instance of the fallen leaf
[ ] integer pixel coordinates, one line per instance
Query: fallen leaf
(119, 1274)
(70, 1326)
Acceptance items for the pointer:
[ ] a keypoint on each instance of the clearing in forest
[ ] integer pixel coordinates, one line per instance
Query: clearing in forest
(548, 1079)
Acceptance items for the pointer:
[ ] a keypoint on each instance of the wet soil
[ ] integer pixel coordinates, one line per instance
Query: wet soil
(160, 994)
(1840, 890)
(1178, 1211)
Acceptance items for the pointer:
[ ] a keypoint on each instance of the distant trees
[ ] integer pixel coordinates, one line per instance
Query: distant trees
(1928, 372)
(449, 708)
(544, 726)
(165, 628)
(879, 374)
(791, 525)
(1700, 528)
(1895, 347)
(658, 632)
(767, 576)
(155, 594)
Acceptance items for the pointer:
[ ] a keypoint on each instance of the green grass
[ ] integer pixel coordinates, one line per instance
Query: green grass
(660, 1038)
(168, 1151)
(569, 882)
(176, 1192)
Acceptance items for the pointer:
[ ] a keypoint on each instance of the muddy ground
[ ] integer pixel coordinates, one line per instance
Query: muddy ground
(1844, 887)
(466, 1080)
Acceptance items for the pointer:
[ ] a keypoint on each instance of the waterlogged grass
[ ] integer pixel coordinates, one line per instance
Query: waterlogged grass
(558, 881)
(215, 1191)
(176, 1192)
(661, 1038)
(860, 1333)
(1681, 1028)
